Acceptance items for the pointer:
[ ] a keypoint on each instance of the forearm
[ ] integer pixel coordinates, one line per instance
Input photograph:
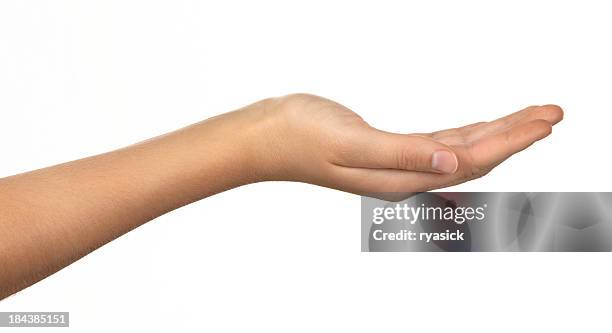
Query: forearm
(53, 216)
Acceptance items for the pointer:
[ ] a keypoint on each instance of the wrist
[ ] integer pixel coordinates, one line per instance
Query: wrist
(277, 135)
(243, 144)
(270, 140)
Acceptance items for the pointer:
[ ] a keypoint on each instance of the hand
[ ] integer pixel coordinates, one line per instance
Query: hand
(55, 215)
(319, 141)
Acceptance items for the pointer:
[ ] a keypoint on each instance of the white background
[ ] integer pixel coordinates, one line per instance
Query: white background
(83, 77)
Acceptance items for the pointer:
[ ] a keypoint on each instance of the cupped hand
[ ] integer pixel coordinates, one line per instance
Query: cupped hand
(319, 141)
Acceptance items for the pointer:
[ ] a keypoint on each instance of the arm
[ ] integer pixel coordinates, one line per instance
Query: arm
(54, 216)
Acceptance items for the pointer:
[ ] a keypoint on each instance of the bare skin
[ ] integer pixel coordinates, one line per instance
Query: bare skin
(54, 216)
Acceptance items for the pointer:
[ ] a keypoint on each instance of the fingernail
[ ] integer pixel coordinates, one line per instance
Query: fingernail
(444, 161)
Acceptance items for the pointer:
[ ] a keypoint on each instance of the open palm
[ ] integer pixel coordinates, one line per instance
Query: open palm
(332, 146)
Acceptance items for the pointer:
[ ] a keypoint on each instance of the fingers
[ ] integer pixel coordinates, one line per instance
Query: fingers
(550, 113)
(475, 162)
(382, 162)
(496, 148)
(382, 150)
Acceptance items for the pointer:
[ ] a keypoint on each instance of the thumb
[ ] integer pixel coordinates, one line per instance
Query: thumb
(384, 150)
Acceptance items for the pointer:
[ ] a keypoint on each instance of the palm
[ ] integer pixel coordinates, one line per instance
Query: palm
(479, 148)
(482, 146)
